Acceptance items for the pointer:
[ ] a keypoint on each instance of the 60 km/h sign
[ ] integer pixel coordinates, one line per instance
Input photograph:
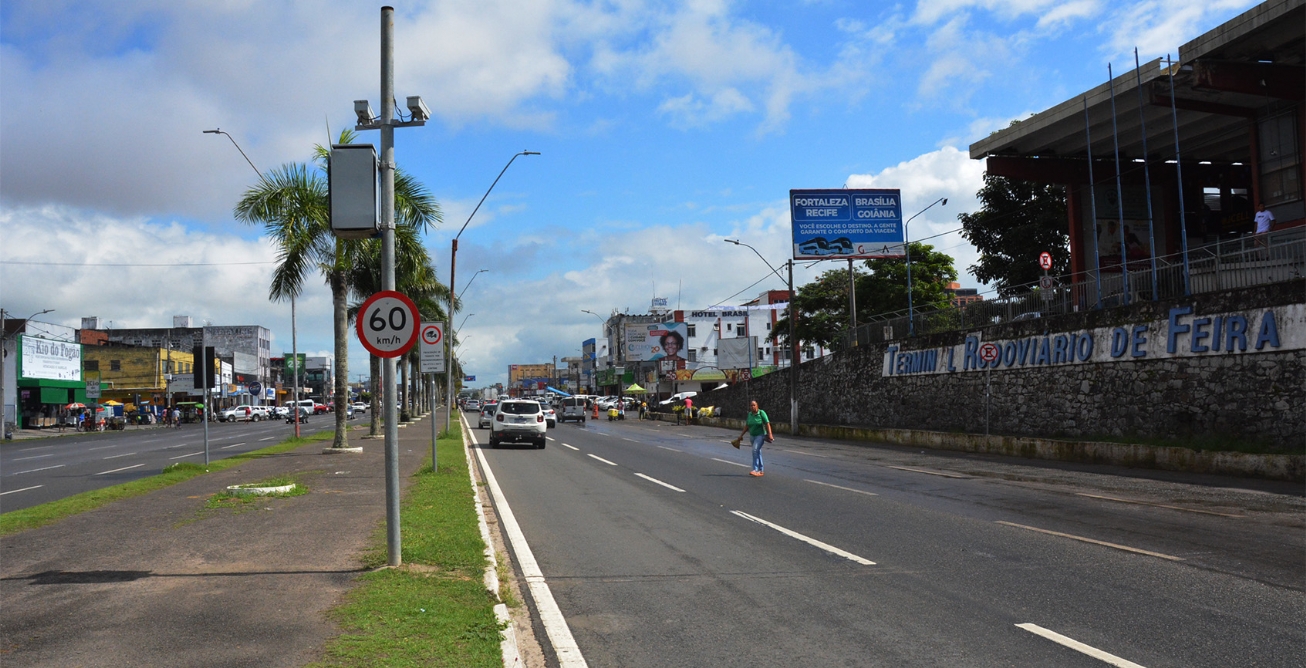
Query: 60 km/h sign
(387, 324)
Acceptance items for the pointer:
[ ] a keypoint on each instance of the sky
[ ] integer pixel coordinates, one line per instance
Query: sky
(663, 128)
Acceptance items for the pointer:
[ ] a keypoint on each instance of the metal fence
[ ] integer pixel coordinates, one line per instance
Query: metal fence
(1224, 265)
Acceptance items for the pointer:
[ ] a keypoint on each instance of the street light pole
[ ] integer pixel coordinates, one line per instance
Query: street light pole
(906, 246)
(4, 417)
(793, 341)
(453, 266)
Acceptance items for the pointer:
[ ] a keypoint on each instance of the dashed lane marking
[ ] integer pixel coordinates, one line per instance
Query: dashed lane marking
(800, 452)
(23, 459)
(189, 455)
(233, 445)
(15, 491)
(938, 473)
(125, 468)
(266, 439)
(1117, 546)
(1078, 646)
(1156, 505)
(806, 539)
(671, 449)
(846, 489)
(658, 482)
(601, 459)
(730, 463)
(567, 445)
(125, 454)
(45, 468)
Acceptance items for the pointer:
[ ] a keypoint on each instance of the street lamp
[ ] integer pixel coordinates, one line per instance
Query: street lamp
(464, 322)
(469, 284)
(906, 246)
(794, 356)
(453, 265)
(238, 148)
(4, 417)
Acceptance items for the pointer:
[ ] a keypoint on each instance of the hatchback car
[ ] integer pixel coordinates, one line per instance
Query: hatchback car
(550, 416)
(518, 421)
(487, 416)
(472, 405)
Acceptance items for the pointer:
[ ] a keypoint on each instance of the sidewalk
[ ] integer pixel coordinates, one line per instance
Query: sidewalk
(53, 432)
(159, 580)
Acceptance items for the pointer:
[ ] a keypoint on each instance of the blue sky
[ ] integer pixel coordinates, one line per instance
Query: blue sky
(664, 127)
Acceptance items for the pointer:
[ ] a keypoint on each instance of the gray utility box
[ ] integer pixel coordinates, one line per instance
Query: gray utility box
(352, 189)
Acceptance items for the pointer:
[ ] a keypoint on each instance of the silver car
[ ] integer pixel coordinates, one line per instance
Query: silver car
(518, 421)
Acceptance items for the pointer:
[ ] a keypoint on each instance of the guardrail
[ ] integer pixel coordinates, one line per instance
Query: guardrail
(1224, 265)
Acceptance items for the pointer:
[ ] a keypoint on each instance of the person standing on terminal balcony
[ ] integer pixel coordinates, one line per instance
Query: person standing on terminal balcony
(758, 429)
(1264, 221)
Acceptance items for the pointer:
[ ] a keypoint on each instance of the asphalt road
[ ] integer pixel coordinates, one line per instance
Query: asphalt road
(37, 471)
(660, 549)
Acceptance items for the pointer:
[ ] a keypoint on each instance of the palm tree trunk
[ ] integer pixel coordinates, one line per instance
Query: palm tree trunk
(375, 409)
(341, 389)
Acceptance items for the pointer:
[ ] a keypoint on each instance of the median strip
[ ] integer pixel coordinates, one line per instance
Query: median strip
(1117, 546)
(1078, 646)
(806, 539)
(658, 482)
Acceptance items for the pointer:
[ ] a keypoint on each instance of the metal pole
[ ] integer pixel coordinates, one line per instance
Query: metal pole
(988, 397)
(294, 359)
(208, 408)
(794, 357)
(852, 301)
(1179, 170)
(1120, 191)
(1092, 202)
(1147, 175)
(448, 371)
(435, 432)
(394, 556)
(911, 321)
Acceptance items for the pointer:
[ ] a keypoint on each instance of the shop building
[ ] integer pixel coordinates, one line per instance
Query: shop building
(136, 376)
(42, 372)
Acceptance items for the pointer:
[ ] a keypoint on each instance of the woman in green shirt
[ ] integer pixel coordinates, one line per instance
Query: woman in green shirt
(758, 429)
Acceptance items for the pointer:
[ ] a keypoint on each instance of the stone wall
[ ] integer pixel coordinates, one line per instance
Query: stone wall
(1251, 398)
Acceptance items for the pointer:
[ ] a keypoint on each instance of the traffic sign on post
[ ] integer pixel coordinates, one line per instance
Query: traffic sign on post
(387, 324)
(432, 347)
(1045, 260)
(989, 352)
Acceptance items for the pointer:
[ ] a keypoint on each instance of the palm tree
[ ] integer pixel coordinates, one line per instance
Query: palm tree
(414, 276)
(291, 202)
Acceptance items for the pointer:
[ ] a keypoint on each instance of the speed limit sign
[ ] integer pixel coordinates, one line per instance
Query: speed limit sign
(387, 324)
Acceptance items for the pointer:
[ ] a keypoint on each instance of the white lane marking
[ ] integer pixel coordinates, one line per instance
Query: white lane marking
(846, 489)
(1157, 505)
(938, 473)
(125, 468)
(671, 449)
(23, 459)
(555, 625)
(233, 445)
(601, 459)
(15, 491)
(548, 438)
(729, 462)
(1078, 646)
(268, 438)
(800, 452)
(565, 445)
(46, 468)
(189, 455)
(102, 447)
(806, 539)
(125, 454)
(629, 439)
(659, 482)
(1117, 546)
(39, 447)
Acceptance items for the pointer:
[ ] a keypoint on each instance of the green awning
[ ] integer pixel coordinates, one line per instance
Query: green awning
(54, 395)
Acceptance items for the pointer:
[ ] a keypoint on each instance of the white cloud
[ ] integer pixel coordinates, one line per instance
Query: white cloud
(947, 172)
(1158, 28)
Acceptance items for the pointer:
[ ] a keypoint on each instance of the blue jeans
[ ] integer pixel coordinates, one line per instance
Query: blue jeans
(757, 451)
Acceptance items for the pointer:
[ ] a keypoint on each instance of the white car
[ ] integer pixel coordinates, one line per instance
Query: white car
(241, 413)
(360, 407)
(550, 416)
(518, 421)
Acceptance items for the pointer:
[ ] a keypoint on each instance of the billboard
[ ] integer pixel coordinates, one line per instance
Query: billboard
(843, 224)
(657, 341)
(51, 360)
(736, 353)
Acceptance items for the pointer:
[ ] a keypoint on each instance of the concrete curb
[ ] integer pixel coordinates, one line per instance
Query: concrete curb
(1271, 467)
(507, 646)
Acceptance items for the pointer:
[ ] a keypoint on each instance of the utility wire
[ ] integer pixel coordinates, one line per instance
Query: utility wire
(132, 264)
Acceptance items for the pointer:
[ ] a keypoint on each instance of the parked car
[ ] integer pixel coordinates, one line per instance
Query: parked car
(573, 408)
(242, 413)
(518, 421)
(264, 412)
(487, 416)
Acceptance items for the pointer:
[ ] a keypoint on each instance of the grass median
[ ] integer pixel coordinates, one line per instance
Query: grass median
(47, 513)
(434, 610)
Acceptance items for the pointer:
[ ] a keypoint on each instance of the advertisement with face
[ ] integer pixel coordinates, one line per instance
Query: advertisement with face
(657, 341)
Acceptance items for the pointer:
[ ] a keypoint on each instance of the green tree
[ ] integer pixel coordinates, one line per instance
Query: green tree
(291, 202)
(1016, 221)
(822, 305)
